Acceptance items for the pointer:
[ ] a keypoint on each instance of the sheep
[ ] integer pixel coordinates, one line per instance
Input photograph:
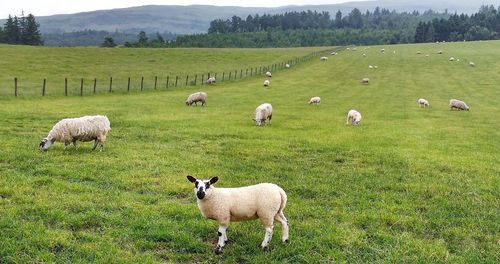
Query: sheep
(197, 97)
(333, 53)
(266, 83)
(315, 100)
(452, 59)
(460, 105)
(353, 116)
(419, 52)
(426, 55)
(85, 128)
(422, 103)
(370, 67)
(265, 201)
(354, 49)
(472, 64)
(365, 80)
(382, 50)
(440, 52)
(211, 80)
(262, 113)
(323, 58)
(268, 74)
(364, 54)
(375, 67)
(287, 65)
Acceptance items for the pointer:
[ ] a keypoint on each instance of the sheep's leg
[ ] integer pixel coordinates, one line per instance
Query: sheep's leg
(267, 236)
(101, 147)
(270, 117)
(74, 143)
(65, 145)
(280, 217)
(95, 144)
(222, 239)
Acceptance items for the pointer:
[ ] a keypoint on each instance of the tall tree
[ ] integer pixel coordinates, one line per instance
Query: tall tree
(355, 19)
(12, 30)
(30, 31)
(109, 42)
(338, 19)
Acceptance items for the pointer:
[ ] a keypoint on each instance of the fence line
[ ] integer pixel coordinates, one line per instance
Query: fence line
(232, 75)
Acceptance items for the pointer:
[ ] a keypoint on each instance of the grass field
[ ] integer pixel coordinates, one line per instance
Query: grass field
(407, 185)
(32, 64)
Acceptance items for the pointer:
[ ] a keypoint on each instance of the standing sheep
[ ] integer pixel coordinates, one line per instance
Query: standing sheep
(197, 97)
(211, 80)
(262, 113)
(266, 83)
(460, 105)
(287, 65)
(365, 80)
(353, 116)
(86, 128)
(315, 100)
(323, 58)
(269, 74)
(472, 64)
(265, 201)
(422, 103)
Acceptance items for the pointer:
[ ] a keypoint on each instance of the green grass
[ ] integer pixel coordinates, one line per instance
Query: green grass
(407, 185)
(32, 64)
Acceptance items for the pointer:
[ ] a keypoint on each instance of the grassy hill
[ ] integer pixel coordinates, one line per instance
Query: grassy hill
(407, 185)
(32, 64)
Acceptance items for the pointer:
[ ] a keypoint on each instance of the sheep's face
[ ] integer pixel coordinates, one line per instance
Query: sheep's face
(45, 144)
(259, 122)
(203, 188)
(187, 103)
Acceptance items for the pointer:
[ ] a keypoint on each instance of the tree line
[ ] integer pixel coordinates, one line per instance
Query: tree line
(22, 30)
(480, 26)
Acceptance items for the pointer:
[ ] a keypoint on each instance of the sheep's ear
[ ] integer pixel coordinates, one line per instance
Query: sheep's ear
(214, 179)
(191, 178)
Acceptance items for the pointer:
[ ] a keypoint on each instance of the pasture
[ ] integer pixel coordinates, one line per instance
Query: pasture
(406, 185)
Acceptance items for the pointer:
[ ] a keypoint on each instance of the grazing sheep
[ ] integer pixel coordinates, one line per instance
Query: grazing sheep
(460, 105)
(458, 60)
(365, 80)
(375, 67)
(423, 103)
(419, 52)
(440, 52)
(269, 74)
(315, 100)
(265, 201)
(382, 50)
(333, 53)
(262, 113)
(197, 97)
(353, 116)
(266, 83)
(354, 49)
(323, 58)
(472, 64)
(452, 59)
(211, 80)
(287, 65)
(426, 55)
(86, 128)
(364, 54)
(370, 67)
(348, 48)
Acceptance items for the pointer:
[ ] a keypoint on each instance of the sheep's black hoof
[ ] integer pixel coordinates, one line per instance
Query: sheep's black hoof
(266, 248)
(219, 250)
(286, 241)
(227, 241)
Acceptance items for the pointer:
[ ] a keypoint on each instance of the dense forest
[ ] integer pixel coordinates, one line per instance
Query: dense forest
(317, 29)
(22, 30)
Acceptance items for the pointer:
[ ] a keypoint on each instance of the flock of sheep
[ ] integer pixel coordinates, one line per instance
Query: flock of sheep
(263, 201)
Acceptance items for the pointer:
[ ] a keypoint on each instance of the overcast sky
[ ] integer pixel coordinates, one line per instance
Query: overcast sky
(51, 7)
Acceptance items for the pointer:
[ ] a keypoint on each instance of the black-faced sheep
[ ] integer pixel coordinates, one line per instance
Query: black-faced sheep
(265, 201)
(70, 130)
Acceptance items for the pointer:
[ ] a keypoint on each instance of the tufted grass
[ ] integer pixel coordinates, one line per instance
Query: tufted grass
(407, 185)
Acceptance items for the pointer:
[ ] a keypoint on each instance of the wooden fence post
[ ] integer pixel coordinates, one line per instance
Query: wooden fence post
(110, 84)
(168, 79)
(128, 84)
(202, 78)
(176, 78)
(65, 86)
(196, 79)
(187, 78)
(95, 84)
(142, 83)
(43, 87)
(223, 73)
(156, 80)
(81, 87)
(15, 86)
(230, 75)
(241, 73)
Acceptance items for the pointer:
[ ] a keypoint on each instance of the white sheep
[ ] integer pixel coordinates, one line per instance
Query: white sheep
(269, 74)
(262, 113)
(315, 100)
(265, 201)
(287, 65)
(452, 59)
(266, 83)
(440, 52)
(382, 50)
(375, 67)
(353, 116)
(365, 80)
(423, 103)
(323, 58)
(419, 52)
(370, 67)
(472, 64)
(85, 128)
(460, 105)
(333, 53)
(197, 97)
(211, 80)
(364, 54)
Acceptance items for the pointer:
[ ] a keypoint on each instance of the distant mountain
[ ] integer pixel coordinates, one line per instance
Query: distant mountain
(196, 18)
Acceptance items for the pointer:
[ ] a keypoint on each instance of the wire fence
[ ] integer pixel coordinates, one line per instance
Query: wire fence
(80, 86)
